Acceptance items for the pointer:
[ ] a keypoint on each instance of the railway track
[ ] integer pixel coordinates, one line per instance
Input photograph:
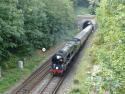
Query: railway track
(55, 82)
(33, 80)
(53, 85)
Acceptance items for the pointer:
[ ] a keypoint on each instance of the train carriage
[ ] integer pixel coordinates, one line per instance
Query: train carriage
(82, 36)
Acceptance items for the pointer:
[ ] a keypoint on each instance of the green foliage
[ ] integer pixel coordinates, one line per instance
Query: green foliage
(45, 21)
(26, 25)
(11, 27)
(12, 76)
(110, 51)
(80, 3)
(82, 10)
(93, 4)
(90, 5)
(11, 63)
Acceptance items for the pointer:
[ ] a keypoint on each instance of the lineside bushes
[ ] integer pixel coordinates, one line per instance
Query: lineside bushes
(109, 50)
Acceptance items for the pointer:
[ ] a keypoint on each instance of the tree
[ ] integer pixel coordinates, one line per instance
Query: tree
(26, 25)
(93, 4)
(45, 21)
(81, 3)
(11, 27)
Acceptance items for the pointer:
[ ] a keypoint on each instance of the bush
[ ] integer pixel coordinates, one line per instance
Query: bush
(110, 51)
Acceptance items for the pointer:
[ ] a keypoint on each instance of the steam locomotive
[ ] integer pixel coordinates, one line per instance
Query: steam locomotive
(63, 57)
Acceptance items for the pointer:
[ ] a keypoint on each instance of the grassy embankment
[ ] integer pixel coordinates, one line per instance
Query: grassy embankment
(14, 75)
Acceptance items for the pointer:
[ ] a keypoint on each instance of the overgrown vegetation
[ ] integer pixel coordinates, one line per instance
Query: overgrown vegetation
(82, 81)
(83, 7)
(109, 48)
(82, 10)
(93, 4)
(80, 3)
(26, 25)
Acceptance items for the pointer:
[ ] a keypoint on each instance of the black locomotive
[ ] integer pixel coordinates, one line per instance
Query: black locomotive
(62, 58)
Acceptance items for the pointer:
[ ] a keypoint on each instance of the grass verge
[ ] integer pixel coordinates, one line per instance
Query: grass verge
(81, 83)
(11, 76)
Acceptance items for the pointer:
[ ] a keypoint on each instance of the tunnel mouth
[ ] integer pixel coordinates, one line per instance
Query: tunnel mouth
(86, 23)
